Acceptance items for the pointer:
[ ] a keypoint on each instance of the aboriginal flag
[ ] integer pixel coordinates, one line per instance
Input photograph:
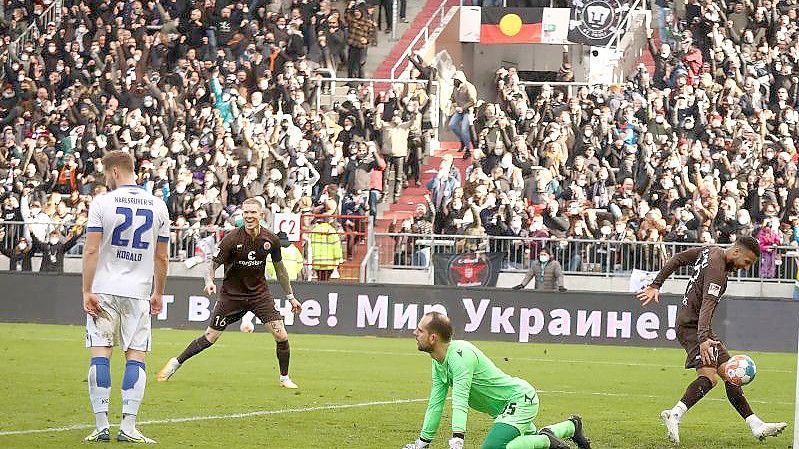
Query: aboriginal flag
(511, 25)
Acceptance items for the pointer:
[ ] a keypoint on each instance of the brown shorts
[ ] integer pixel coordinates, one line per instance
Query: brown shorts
(689, 339)
(228, 311)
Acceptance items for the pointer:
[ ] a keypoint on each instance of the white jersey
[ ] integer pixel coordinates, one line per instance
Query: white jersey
(132, 221)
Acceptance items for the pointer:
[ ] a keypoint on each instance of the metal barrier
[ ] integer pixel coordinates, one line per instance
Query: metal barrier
(369, 265)
(334, 245)
(191, 241)
(571, 87)
(576, 256)
(624, 25)
(423, 36)
(461, 3)
(51, 14)
(368, 250)
(374, 84)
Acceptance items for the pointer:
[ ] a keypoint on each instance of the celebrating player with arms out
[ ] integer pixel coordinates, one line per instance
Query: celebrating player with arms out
(243, 252)
(706, 353)
(477, 383)
(125, 262)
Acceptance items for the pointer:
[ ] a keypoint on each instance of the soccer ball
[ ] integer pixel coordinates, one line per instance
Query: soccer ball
(246, 326)
(740, 370)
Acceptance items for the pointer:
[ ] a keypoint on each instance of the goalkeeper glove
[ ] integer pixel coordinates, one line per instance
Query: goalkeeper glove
(456, 443)
(419, 444)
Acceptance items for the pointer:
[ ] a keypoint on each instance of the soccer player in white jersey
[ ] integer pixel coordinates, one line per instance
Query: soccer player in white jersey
(124, 271)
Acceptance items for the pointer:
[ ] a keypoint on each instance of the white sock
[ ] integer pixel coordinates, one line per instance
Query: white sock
(284, 378)
(754, 422)
(128, 424)
(99, 390)
(101, 420)
(679, 410)
(133, 383)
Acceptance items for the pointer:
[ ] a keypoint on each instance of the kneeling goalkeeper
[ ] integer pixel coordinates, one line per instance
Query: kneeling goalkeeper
(477, 383)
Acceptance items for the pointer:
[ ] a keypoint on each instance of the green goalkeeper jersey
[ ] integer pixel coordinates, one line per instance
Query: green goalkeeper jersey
(476, 382)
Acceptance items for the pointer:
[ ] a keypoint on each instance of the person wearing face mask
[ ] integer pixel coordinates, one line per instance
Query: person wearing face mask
(769, 238)
(449, 216)
(178, 200)
(464, 97)
(516, 228)
(685, 229)
(20, 255)
(395, 150)
(54, 248)
(443, 185)
(12, 212)
(548, 274)
(661, 56)
(555, 220)
(38, 221)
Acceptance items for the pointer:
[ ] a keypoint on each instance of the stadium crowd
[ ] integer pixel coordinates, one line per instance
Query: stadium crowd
(218, 101)
(701, 150)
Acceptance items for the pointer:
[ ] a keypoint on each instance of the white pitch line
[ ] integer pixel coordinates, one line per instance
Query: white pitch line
(529, 359)
(649, 396)
(217, 417)
(334, 407)
(414, 354)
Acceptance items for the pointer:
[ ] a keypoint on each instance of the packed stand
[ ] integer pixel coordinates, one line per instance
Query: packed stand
(217, 101)
(699, 152)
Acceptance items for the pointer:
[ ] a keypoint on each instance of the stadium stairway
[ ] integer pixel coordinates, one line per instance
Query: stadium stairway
(413, 195)
(418, 19)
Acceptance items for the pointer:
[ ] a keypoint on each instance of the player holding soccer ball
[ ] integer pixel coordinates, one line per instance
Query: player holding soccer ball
(477, 383)
(706, 353)
(243, 252)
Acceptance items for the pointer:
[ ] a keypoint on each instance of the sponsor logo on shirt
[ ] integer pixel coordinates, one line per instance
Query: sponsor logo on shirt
(251, 260)
(714, 289)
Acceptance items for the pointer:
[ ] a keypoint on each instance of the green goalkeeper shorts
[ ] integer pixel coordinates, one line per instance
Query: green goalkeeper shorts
(520, 412)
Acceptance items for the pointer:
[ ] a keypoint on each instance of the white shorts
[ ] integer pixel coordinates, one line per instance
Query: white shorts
(123, 321)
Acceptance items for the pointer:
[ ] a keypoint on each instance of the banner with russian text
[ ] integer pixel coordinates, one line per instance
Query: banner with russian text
(383, 310)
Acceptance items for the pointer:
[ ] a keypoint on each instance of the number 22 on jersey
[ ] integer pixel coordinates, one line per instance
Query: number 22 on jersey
(128, 217)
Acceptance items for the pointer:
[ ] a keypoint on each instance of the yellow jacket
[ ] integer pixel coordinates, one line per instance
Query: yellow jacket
(326, 252)
(292, 260)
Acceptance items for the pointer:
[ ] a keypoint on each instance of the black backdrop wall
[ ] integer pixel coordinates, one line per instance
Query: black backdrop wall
(478, 313)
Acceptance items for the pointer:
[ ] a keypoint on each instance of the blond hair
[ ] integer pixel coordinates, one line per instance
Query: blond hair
(119, 159)
(253, 200)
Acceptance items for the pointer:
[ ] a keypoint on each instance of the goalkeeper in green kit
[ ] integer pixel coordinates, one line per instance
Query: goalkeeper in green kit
(477, 383)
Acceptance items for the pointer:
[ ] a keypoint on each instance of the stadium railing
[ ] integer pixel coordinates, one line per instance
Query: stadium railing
(421, 39)
(588, 257)
(51, 14)
(570, 88)
(479, 3)
(577, 256)
(625, 24)
(193, 240)
(335, 90)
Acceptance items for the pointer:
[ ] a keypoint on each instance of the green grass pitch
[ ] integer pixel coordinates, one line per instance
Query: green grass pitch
(358, 392)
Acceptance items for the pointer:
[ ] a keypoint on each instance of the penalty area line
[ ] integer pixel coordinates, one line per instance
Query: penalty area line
(218, 417)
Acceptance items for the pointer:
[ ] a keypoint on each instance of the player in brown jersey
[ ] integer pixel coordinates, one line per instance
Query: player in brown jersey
(243, 253)
(706, 353)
